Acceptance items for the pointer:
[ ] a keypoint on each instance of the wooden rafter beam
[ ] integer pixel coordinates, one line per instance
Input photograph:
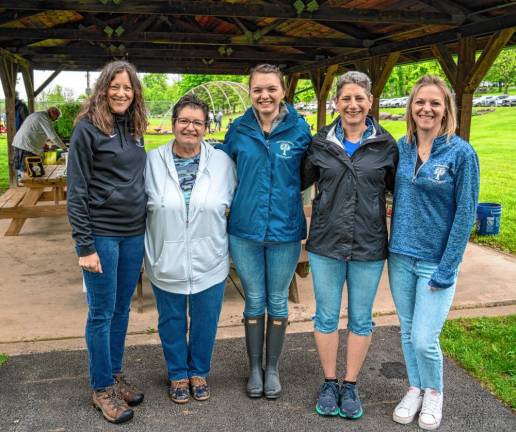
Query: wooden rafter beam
(449, 36)
(171, 52)
(445, 59)
(451, 7)
(251, 10)
(57, 70)
(175, 38)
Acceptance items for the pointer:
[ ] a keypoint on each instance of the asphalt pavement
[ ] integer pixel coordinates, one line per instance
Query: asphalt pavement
(49, 392)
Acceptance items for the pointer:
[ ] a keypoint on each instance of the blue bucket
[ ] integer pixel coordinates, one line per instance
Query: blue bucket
(489, 216)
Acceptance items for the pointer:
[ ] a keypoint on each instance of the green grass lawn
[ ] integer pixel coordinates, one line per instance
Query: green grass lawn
(492, 136)
(486, 348)
(3, 359)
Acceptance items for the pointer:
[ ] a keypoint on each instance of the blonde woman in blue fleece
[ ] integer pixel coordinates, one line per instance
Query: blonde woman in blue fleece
(435, 198)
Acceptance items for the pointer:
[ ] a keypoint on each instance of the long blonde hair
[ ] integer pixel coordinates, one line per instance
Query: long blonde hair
(449, 124)
(96, 107)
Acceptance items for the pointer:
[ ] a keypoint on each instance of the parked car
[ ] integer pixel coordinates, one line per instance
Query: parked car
(509, 101)
(499, 99)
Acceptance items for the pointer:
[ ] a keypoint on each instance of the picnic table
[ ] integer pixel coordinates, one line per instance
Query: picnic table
(38, 197)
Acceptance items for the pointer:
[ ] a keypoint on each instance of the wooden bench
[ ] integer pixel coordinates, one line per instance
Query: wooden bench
(10, 199)
(21, 203)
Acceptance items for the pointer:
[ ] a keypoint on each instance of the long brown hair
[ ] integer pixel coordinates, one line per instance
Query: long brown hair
(450, 115)
(96, 107)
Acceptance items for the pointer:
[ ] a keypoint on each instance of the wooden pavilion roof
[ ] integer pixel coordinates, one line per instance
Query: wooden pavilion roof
(229, 36)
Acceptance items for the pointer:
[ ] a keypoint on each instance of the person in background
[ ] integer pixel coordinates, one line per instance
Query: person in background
(106, 209)
(435, 201)
(266, 222)
(353, 162)
(21, 111)
(218, 120)
(33, 134)
(211, 120)
(190, 186)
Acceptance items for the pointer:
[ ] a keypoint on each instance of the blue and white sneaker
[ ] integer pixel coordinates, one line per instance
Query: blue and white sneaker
(328, 400)
(349, 405)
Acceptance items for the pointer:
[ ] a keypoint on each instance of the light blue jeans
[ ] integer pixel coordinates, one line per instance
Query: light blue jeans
(362, 279)
(422, 313)
(266, 270)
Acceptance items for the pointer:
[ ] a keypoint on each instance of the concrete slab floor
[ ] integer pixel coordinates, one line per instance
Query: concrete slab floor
(42, 303)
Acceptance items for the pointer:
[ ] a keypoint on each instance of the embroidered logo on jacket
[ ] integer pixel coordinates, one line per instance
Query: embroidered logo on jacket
(285, 147)
(439, 172)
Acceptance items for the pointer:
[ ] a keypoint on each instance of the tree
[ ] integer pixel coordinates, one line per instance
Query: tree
(503, 70)
(57, 95)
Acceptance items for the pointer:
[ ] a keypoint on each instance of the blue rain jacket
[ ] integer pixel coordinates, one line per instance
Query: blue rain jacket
(267, 205)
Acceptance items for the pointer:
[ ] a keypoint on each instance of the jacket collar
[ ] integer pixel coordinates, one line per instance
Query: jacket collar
(288, 119)
(438, 142)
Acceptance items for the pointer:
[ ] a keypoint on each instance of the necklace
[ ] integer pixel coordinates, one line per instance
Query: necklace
(424, 153)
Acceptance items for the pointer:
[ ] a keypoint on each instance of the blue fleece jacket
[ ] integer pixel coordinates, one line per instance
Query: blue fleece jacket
(434, 208)
(267, 204)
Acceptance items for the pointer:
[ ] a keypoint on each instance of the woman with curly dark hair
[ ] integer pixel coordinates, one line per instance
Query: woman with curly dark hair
(106, 209)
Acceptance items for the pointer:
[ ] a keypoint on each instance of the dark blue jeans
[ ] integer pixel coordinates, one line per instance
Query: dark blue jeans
(109, 300)
(190, 358)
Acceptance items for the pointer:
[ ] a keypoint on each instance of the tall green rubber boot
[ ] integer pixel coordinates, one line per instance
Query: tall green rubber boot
(276, 329)
(254, 341)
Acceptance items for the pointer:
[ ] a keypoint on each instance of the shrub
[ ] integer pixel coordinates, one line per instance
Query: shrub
(64, 125)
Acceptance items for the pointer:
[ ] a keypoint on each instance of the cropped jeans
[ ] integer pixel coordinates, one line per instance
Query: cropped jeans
(266, 270)
(362, 279)
(422, 312)
(109, 299)
(192, 357)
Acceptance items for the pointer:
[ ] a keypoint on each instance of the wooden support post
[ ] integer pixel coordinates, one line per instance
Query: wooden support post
(322, 81)
(470, 73)
(464, 98)
(28, 80)
(8, 71)
(445, 59)
(379, 71)
(290, 86)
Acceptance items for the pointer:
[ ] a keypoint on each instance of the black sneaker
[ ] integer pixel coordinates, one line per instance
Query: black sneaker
(349, 404)
(328, 400)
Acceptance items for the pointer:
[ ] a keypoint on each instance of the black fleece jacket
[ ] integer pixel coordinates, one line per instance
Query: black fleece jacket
(348, 213)
(106, 188)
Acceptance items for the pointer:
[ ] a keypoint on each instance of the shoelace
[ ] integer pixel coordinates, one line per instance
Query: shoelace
(408, 400)
(349, 392)
(114, 398)
(329, 390)
(430, 404)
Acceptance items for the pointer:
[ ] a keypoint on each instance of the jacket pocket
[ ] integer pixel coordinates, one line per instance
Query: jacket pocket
(171, 265)
(206, 254)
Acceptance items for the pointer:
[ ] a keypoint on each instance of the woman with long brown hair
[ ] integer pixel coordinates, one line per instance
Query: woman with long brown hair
(106, 209)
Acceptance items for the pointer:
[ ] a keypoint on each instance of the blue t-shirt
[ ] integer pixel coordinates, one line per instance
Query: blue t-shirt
(351, 147)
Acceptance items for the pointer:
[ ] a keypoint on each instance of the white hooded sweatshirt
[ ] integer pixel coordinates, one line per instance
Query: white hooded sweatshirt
(186, 254)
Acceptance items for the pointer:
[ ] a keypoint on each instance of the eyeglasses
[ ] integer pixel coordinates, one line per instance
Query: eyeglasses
(184, 122)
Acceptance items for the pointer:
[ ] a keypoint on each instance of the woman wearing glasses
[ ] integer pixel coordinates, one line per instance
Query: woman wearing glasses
(189, 186)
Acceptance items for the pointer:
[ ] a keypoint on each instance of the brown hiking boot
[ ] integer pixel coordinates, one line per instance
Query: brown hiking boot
(179, 391)
(113, 407)
(128, 392)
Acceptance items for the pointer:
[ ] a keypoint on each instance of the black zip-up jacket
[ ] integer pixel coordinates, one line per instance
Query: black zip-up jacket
(348, 213)
(106, 188)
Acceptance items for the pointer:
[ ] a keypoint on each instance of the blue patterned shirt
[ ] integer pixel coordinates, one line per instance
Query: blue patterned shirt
(187, 173)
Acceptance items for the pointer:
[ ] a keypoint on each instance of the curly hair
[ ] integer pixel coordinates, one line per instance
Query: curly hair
(96, 107)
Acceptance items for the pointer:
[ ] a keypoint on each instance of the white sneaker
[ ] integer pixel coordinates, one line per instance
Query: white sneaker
(406, 411)
(432, 410)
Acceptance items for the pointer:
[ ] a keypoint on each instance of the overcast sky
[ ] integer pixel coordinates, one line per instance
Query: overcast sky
(76, 81)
